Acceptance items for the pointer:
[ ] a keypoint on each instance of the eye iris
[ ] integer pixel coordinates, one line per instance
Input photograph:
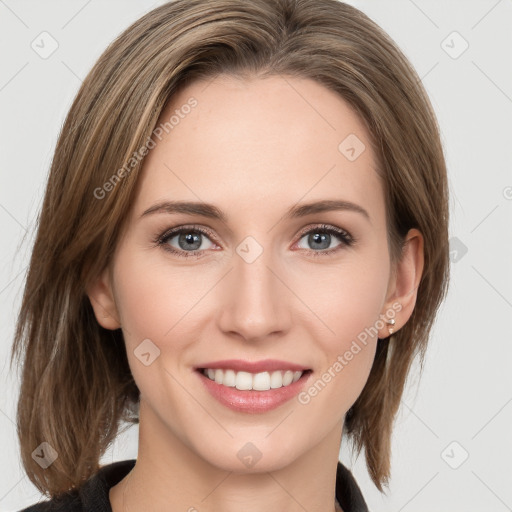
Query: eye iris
(321, 238)
(190, 241)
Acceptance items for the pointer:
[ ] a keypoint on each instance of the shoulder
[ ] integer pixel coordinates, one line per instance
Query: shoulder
(348, 493)
(93, 495)
(68, 503)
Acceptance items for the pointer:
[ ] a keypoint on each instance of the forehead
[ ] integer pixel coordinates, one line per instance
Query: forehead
(260, 141)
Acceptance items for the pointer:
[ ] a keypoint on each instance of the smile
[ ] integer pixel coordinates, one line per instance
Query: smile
(262, 381)
(253, 393)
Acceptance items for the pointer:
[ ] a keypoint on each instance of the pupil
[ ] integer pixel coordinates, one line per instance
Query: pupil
(191, 241)
(318, 238)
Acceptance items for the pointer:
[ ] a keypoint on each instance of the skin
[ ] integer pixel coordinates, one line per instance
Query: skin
(254, 148)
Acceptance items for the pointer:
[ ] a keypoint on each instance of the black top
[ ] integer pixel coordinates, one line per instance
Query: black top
(93, 496)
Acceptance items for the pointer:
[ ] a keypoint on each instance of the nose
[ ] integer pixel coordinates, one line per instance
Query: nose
(255, 301)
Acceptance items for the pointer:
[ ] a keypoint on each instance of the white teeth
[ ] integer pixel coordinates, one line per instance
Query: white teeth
(276, 380)
(288, 377)
(229, 378)
(243, 380)
(262, 381)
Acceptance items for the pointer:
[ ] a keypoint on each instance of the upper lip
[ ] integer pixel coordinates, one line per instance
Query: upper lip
(239, 365)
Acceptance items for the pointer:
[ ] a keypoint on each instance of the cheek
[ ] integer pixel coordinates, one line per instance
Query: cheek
(156, 303)
(349, 302)
(142, 302)
(347, 297)
(153, 297)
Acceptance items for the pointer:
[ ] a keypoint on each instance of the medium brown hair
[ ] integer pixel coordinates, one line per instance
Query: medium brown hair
(76, 385)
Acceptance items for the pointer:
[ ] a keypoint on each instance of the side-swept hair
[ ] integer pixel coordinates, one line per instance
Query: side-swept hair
(76, 385)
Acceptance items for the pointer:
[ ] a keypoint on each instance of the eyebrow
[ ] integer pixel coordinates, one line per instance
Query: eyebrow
(213, 212)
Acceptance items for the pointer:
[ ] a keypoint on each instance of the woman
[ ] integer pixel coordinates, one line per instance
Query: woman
(242, 248)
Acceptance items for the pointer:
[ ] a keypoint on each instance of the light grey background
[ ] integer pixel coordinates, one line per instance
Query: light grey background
(462, 406)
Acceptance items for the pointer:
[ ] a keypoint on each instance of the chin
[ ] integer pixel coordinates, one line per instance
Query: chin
(246, 456)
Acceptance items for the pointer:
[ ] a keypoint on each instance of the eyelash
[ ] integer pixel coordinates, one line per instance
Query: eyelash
(345, 238)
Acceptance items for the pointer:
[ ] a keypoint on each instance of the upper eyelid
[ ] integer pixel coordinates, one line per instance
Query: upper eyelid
(323, 227)
(169, 233)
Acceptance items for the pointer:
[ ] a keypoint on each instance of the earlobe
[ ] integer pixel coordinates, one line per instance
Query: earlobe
(102, 301)
(404, 288)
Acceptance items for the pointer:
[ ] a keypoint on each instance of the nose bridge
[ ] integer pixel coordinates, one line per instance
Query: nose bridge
(254, 303)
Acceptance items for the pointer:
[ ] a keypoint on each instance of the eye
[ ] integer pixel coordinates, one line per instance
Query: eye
(193, 241)
(186, 241)
(321, 237)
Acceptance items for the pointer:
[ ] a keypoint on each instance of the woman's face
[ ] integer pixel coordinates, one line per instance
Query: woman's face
(272, 279)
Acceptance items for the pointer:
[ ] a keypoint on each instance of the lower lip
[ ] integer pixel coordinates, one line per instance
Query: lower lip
(252, 401)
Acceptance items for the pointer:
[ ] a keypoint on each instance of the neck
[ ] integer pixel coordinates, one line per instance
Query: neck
(168, 475)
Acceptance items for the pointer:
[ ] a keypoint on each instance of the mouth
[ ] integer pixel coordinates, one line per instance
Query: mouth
(249, 381)
(252, 393)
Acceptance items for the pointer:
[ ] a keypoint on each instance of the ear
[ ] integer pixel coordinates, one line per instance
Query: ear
(102, 300)
(404, 282)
